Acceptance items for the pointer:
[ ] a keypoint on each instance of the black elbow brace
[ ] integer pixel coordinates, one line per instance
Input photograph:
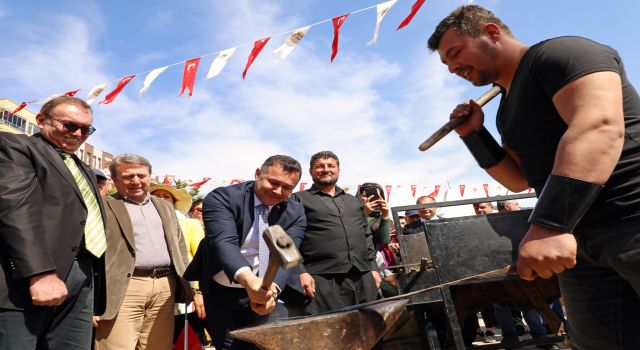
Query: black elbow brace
(563, 202)
(484, 148)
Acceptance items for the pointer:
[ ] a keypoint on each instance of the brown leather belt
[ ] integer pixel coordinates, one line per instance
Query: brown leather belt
(157, 272)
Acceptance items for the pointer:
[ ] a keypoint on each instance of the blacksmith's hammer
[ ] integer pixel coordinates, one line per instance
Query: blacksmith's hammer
(282, 253)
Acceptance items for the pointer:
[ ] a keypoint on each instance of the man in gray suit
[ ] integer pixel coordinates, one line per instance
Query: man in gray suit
(146, 255)
(51, 233)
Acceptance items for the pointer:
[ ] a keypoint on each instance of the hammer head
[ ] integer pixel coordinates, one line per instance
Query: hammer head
(281, 247)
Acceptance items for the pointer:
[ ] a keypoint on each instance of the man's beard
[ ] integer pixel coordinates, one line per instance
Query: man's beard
(328, 182)
(488, 75)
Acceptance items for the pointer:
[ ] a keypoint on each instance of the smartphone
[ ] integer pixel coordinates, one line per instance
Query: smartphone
(371, 191)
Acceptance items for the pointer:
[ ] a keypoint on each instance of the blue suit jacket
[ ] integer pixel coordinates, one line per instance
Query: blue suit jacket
(228, 214)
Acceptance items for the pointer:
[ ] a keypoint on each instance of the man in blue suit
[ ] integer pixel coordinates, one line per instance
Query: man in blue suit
(231, 259)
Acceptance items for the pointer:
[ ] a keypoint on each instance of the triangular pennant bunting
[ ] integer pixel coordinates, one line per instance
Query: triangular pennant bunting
(219, 62)
(382, 10)
(113, 94)
(414, 9)
(148, 80)
(258, 45)
(189, 75)
(337, 23)
(285, 49)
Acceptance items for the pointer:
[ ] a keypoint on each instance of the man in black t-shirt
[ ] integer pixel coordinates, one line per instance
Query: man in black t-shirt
(570, 127)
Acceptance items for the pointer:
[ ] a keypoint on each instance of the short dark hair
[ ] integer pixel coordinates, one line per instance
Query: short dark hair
(323, 155)
(50, 105)
(468, 20)
(195, 204)
(288, 164)
(127, 159)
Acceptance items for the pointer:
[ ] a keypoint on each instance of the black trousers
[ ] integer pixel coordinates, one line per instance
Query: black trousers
(335, 291)
(67, 326)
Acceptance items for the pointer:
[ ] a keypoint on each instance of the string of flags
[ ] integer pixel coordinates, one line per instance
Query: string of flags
(223, 56)
(415, 191)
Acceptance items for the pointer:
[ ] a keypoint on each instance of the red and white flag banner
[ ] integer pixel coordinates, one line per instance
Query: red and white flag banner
(486, 189)
(258, 45)
(95, 92)
(388, 188)
(148, 80)
(435, 192)
(302, 186)
(198, 184)
(71, 93)
(189, 75)
(113, 94)
(337, 23)
(235, 181)
(414, 9)
(413, 191)
(18, 109)
(219, 62)
(285, 49)
(382, 10)
(462, 190)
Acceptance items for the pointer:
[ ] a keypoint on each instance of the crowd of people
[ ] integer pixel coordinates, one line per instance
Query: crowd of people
(82, 269)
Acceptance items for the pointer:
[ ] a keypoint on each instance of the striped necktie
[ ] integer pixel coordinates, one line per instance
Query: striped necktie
(263, 248)
(94, 236)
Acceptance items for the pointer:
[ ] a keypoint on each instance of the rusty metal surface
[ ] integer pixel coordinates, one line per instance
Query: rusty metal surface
(356, 328)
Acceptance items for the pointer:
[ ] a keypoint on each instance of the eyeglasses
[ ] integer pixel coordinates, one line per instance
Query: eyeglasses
(71, 127)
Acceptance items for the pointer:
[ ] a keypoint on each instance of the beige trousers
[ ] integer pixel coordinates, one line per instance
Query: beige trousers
(145, 319)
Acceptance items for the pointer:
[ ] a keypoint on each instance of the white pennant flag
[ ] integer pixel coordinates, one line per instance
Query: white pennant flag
(382, 11)
(95, 92)
(220, 62)
(283, 51)
(148, 80)
(45, 100)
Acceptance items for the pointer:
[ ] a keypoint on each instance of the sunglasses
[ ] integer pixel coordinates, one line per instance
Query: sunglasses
(71, 127)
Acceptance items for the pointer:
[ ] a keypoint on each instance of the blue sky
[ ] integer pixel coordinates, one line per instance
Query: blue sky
(372, 105)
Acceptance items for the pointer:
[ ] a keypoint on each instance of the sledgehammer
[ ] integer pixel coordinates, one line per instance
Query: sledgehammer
(282, 253)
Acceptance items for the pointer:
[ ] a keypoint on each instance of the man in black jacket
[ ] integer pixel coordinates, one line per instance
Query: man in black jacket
(52, 233)
(339, 258)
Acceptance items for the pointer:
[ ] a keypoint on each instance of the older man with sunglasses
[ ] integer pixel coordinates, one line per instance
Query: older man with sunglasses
(52, 234)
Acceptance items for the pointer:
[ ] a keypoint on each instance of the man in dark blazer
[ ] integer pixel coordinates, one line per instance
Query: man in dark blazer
(47, 277)
(145, 259)
(229, 260)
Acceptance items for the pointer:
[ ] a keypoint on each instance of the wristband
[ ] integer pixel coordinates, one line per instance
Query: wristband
(484, 148)
(563, 202)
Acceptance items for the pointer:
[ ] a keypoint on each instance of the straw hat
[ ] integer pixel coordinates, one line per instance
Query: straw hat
(181, 196)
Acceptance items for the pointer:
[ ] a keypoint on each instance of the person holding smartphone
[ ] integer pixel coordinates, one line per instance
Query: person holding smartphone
(377, 213)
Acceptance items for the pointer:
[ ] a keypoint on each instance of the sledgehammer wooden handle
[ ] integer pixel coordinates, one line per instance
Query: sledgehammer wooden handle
(454, 123)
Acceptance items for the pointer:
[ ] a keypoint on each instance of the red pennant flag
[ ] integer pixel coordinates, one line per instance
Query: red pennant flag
(337, 23)
(258, 45)
(413, 191)
(529, 190)
(20, 107)
(198, 184)
(71, 93)
(302, 186)
(414, 9)
(461, 190)
(193, 342)
(189, 75)
(486, 189)
(235, 181)
(113, 94)
(436, 191)
(168, 179)
(388, 188)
